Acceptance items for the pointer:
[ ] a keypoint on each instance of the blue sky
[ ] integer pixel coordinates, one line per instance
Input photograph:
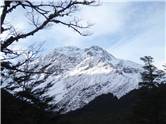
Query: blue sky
(128, 30)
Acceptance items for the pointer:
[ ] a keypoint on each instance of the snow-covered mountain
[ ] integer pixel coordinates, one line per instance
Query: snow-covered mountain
(80, 75)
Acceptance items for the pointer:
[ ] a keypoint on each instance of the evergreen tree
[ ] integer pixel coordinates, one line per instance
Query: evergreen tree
(150, 103)
(149, 74)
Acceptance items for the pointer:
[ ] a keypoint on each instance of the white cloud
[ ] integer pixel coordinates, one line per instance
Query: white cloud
(139, 28)
(108, 18)
(150, 40)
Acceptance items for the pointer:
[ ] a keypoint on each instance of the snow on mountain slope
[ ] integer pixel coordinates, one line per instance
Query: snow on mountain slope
(80, 75)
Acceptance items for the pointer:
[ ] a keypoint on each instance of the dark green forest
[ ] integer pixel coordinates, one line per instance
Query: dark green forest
(139, 106)
(145, 105)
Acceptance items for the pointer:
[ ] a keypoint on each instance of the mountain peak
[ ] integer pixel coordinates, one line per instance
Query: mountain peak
(100, 53)
(97, 48)
(80, 75)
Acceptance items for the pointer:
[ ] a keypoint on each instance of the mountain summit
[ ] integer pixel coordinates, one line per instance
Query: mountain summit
(80, 75)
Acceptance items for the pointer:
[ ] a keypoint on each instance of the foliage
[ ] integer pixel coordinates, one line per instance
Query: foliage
(150, 75)
(151, 99)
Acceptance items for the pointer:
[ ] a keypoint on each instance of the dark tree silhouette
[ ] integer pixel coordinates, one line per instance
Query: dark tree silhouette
(22, 76)
(27, 81)
(149, 74)
(150, 105)
(40, 15)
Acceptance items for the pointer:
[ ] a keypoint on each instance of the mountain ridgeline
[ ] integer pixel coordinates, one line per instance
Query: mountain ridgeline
(105, 109)
(129, 109)
(80, 75)
(91, 86)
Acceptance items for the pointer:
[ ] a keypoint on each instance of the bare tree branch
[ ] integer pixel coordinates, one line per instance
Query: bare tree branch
(65, 8)
(74, 26)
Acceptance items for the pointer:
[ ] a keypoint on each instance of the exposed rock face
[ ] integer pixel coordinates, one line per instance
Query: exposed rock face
(80, 75)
